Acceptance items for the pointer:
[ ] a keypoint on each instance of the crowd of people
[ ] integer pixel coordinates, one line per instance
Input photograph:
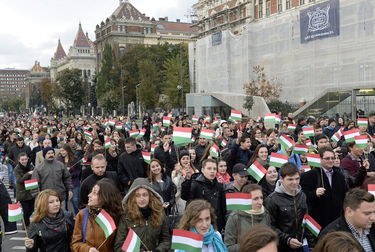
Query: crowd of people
(89, 164)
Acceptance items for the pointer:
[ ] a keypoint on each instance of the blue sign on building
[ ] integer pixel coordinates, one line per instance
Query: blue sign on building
(320, 21)
(216, 38)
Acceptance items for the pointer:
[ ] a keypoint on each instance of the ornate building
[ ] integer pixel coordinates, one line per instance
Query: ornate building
(33, 80)
(127, 26)
(81, 55)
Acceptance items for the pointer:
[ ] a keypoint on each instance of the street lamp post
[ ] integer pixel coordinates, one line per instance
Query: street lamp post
(122, 91)
(181, 89)
(137, 99)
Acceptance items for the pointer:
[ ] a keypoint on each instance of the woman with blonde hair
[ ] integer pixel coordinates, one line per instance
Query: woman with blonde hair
(199, 217)
(51, 227)
(144, 214)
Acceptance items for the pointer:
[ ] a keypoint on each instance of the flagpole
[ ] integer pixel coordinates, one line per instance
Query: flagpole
(102, 243)
(321, 176)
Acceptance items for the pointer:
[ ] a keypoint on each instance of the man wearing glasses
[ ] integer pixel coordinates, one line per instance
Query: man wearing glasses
(325, 187)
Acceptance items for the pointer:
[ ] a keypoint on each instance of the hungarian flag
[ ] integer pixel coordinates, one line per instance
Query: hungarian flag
(146, 157)
(336, 137)
(223, 143)
(238, 201)
(166, 121)
(308, 142)
(186, 240)
(215, 122)
(350, 134)
(181, 135)
(118, 126)
(313, 159)
(84, 161)
(361, 141)
(111, 123)
(269, 118)
(153, 146)
(371, 189)
(142, 132)
(31, 184)
(155, 125)
(301, 149)
(207, 119)
(86, 127)
(192, 140)
(15, 212)
(362, 122)
(277, 119)
(257, 171)
(206, 133)
(232, 120)
(106, 222)
(292, 127)
(278, 159)
(311, 225)
(107, 143)
(308, 131)
(132, 242)
(285, 141)
(214, 151)
(87, 133)
(236, 115)
(194, 119)
(134, 133)
(306, 168)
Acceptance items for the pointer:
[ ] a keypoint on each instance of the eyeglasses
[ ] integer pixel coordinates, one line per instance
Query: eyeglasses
(329, 158)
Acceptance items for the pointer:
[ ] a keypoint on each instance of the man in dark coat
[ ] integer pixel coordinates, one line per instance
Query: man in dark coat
(240, 152)
(325, 188)
(166, 152)
(15, 150)
(131, 164)
(358, 219)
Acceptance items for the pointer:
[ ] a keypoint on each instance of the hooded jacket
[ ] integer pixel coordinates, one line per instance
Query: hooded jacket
(286, 212)
(157, 238)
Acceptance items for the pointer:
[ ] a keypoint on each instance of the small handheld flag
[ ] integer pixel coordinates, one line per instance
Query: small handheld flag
(313, 159)
(146, 157)
(285, 141)
(292, 127)
(166, 121)
(301, 149)
(206, 133)
(277, 159)
(186, 240)
(257, 171)
(308, 132)
(362, 122)
(214, 151)
(350, 134)
(236, 115)
(181, 135)
(311, 225)
(132, 242)
(31, 184)
(15, 212)
(238, 201)
(361, 141)
(371, 189)
(107, 143)
(106, 222)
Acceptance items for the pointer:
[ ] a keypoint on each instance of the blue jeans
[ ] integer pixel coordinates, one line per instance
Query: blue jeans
(75, 199)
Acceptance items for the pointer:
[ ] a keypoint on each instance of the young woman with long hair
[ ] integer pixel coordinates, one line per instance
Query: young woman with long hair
(51, 227)
(88, 235)
(144, 214)
(199, 217)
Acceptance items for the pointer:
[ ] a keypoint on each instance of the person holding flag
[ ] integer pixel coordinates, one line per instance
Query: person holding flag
(144, 214)
(23, 172)
(199, 217)
(51, 227)
(240, 221)
(93, 230)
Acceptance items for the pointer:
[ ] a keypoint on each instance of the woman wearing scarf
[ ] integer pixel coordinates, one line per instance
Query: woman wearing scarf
(199, 218)
(23, 172)
(88, 236)
(144, 214)
(51, 227)
(239, 221)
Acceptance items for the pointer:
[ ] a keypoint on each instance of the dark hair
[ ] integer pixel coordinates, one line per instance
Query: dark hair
(255, 154)
(22, 154)
(110, 198)
(320, 136)
(288, 169)
(270, 131)
(256, 238)
(325, 149)
(250, 187)
(243, 138)
(351, 144)
(19, 139)
(338, 241)
(355, 197)
(209, 160)
(69, 151)
(317, 126)
(130, 140)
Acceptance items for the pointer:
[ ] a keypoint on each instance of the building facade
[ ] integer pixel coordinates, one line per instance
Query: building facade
(33, 81)
(81, 55)
(308, 47)
(12, 83)
(127, 26)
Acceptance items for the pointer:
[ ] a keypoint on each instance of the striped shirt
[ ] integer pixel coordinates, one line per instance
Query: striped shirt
(362, 239)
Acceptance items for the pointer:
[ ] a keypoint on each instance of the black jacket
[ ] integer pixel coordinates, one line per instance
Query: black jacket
(168, 159)
(14, 151)
(212, 191)
(167, 190)
(341, 225)
(131, 166)
(47, 239)
(328, 207)
(238, 155)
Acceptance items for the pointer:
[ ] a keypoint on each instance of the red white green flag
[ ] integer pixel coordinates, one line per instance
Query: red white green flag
(361, 141)
(236, 115)
(257, 171)
(292, 127)
(350, 134)
(301, 149)
(308, 142)
(214, 151)
(146, 157)
(238, 201)
(187, 241)
(86, 127)
(132, 242)
(371, 189)
(194, 119)
(166, 121)
(277, 119)
(106, 222)
(155, 125)
(336, 137)
(362, 122)
(181, 135)
(308, 131)
(215, 122)
(207, 119)
(87, 133)
(306, 168)
(206, 133)
(278, 159)
(118, 126)
(286, 141)
(84, 161)
(223, 143)
(15, 212)
(107, 143)
(313, 159)
(311, 225)
(153, 146)
(111, 122)
(270, 118)
(134, 133)
(142, 132)
(31, 184)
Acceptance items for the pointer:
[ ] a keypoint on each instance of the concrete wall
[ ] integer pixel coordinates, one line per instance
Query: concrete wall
(303, 70)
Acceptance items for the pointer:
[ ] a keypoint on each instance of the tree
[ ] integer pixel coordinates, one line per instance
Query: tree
(249, 103)
(283, 107)
(261, 86)
(148, 95)
(70, 88)
(16, 104)
(48, 92)
(110, 101)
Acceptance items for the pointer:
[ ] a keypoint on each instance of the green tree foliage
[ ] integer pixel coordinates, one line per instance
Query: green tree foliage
(15, 104)
(283, 107)
(148, 95)
(70, 88)
(110, 101)
(48, 92)
(249, 102)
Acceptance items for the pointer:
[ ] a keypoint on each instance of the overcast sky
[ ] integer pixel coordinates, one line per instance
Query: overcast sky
(30, 29)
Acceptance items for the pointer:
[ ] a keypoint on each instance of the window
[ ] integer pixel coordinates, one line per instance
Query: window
(122, 51)
(287, 6)
(279, 5)
(268, 7)
(301, 2)
(260, 11)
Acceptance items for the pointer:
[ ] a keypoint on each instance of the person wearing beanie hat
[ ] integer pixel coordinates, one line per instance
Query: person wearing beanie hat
(39, 155)
(144, 213)
(45, 150)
